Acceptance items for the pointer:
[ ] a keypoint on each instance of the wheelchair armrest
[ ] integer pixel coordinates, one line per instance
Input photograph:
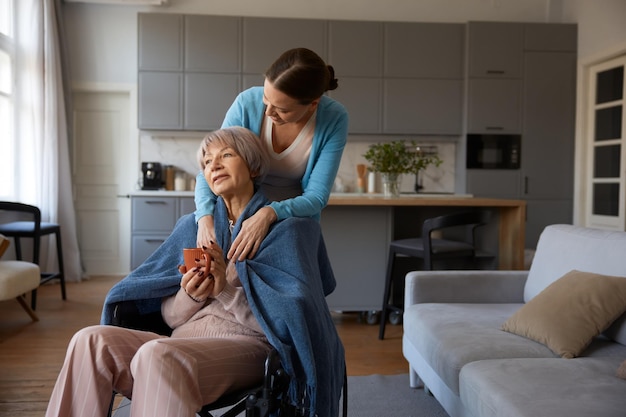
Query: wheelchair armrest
(126, 314)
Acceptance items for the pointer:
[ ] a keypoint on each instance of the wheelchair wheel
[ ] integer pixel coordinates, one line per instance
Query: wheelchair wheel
(372, 317)
(395, 317)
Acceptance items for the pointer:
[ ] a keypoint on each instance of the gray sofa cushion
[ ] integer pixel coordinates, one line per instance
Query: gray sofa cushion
(540, 387)
(451, 335)
(562, 248)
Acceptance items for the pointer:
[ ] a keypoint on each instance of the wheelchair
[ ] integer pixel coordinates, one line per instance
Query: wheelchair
(270, 398)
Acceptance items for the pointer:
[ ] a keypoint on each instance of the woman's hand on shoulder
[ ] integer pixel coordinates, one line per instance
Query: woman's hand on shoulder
(253, 231)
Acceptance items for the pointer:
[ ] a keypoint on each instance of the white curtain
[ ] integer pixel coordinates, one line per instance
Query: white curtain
(41, 134)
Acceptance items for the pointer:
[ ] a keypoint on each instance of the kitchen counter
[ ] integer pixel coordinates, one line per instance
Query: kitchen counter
(511, 216)
(359, 227)
(160, 193)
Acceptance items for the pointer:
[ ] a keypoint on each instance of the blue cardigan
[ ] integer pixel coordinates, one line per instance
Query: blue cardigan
(285, 283)
(329, 140)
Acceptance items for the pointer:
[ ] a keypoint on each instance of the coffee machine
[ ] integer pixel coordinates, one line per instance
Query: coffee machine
(152, 175)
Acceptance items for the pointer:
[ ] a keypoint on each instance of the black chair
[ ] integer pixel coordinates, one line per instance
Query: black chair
(34, 229)
(258, 401)
(431, 249)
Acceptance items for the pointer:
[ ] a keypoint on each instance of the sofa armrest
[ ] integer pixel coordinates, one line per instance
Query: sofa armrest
(464, 287)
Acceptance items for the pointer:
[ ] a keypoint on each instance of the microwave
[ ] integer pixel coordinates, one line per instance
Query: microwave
(489, 151)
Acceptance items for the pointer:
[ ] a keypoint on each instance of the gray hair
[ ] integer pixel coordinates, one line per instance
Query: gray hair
(245, 143)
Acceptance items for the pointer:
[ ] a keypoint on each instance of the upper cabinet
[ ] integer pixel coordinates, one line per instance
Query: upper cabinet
(494, 105)
(264, 39)
(356, 53)
(423, 78)
(356, 48)
(424, 50)
(495, 49)
(189, 70)
(212, 44)
(495, 62)
(160, 42)
(395, 78)
(399, 78)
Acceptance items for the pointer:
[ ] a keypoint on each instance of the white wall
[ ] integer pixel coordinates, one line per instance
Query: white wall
(601, 24)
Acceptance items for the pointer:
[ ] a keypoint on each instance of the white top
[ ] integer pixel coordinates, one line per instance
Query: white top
(287, 168)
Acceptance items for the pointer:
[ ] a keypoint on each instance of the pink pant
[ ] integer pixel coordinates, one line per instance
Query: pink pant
(163, 376)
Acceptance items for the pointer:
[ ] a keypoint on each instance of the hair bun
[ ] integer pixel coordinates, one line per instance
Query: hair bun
(333, 83)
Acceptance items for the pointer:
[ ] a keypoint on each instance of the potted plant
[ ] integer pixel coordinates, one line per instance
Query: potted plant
(392, 159)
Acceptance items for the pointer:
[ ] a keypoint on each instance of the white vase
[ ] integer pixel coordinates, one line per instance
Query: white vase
(391, 184)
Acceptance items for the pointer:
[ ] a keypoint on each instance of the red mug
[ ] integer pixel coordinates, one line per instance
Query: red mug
(191, 254)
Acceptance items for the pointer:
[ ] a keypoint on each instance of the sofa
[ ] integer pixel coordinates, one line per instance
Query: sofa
(550, 341)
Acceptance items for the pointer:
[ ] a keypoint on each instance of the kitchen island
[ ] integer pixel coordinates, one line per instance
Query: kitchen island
(358, 228)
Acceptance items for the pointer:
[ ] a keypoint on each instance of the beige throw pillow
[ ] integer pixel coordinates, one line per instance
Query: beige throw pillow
(570, 312)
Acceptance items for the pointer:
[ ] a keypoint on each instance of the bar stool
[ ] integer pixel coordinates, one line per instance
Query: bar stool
(430, 249)
(34, 229)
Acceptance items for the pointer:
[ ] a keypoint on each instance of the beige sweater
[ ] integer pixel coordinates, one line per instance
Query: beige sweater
(227, 315)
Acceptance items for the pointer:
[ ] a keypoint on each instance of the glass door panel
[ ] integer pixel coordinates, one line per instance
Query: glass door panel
(606, 206)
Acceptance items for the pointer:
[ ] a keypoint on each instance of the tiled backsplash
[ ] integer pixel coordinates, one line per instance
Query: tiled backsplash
(179, 149)
(435, 179)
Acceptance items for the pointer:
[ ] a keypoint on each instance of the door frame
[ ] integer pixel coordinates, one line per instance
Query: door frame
(582, 164)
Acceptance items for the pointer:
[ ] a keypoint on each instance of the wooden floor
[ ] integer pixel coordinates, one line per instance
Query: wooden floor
(31, 353)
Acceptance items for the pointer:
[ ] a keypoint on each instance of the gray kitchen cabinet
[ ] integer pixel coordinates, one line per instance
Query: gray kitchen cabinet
(550, 37)
(424, 50)
(160, 100)
(549, 120)
(203, 80)
(547, 109)
(494, 183)
(356, 53)
(399, 78)
(212, 44)
(152, 221)
(541, 213)
(547, 164)
(355, 48)
(495, 60)
(422, 106)
(186, 205)
(207, 98)
(415, 68)
(494, 105)
(264, 39)
(362, 97)
(495, 49)
(160, 42)
(358, 263)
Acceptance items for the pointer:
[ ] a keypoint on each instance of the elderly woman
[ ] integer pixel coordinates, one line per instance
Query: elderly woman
(225, 316)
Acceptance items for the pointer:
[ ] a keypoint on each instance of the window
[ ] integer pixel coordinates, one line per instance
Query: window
(7, 82)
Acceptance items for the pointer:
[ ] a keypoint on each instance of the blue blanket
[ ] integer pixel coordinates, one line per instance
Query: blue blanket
(285, 282)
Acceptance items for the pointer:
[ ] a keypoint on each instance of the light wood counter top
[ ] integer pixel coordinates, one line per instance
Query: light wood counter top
(453, 200)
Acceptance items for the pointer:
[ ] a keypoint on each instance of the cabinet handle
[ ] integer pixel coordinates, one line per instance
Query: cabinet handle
(526, 184)
(154, 240)
(494, 128)
(496, 72)
(155, 202)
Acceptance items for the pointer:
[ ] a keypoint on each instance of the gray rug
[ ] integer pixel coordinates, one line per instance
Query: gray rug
(374, 396)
